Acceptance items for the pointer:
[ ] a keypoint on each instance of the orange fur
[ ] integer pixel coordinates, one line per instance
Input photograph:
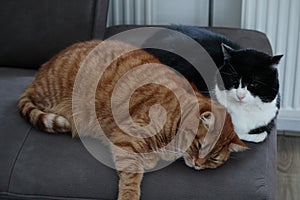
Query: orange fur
(47, 104)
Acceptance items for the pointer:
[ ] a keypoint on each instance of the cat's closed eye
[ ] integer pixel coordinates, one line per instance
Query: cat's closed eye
(214, 158)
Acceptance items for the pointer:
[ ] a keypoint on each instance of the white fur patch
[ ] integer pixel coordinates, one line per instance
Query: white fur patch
(60, 122)
(48, 121)
(236, 148)
(254, 137)
(248, 114)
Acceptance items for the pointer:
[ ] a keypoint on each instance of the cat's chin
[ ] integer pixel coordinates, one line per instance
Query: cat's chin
(194, 166)
(229, 102)
(198, 168)
(191, 163)
(241, 103)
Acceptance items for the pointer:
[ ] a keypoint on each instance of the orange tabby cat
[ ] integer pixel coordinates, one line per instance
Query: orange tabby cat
(48, 103)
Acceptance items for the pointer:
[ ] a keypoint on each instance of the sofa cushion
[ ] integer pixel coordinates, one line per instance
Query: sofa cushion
(30, 36)
(39, 165)
(35, 164)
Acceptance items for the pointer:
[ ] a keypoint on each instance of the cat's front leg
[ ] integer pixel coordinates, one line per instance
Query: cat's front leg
(256, 138)
(130, 169)
(129, 185)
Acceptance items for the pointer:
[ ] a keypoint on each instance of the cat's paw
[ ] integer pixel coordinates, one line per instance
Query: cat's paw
(256, 138)
(128, 195)
(169, 156)
(150, 161)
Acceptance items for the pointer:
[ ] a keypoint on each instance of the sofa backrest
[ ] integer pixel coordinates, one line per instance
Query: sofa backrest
(32, 31)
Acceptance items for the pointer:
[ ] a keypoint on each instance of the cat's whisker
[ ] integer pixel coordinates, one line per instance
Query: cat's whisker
(234, 158)
(233, 69)
(260, 82)
(228, 74)
(263, 83)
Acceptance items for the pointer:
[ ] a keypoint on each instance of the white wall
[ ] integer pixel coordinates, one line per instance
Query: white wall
(280, 21)
(188, 12)
(164, 12)
(227, 13)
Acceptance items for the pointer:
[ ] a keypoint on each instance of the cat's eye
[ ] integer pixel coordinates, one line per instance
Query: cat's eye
(235, 82)
(214, 157)
(253, 84)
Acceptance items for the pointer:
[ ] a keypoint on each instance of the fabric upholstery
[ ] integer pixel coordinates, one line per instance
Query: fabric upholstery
(38, 165)
(32, 31)
(245, 38)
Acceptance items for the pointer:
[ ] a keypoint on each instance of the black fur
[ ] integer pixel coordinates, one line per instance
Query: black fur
(256, 69)
(210, 41)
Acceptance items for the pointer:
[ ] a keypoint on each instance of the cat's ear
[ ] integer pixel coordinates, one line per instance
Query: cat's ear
(227, 50)
(276, 59)
(207, 119)
(213, 133)
(237, 145)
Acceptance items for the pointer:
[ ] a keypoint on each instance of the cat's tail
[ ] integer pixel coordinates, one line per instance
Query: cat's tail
(44, 121)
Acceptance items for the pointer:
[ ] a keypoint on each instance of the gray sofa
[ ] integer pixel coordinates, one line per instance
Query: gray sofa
(38, 165)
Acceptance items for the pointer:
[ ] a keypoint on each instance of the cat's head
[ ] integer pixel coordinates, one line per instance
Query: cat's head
(215, 140)
(249, 77)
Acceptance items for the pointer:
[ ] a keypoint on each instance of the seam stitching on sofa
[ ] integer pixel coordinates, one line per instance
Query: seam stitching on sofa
(15, 161)
(28, 196)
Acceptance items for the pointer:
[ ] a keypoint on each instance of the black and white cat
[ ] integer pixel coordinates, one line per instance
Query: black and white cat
(250, 91)
(249, 88)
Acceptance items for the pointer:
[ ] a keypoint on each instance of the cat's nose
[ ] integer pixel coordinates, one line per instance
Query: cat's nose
(241, 96)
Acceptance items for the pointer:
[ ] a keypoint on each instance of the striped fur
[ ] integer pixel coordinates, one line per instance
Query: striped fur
(47, 104)
(49, 122)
